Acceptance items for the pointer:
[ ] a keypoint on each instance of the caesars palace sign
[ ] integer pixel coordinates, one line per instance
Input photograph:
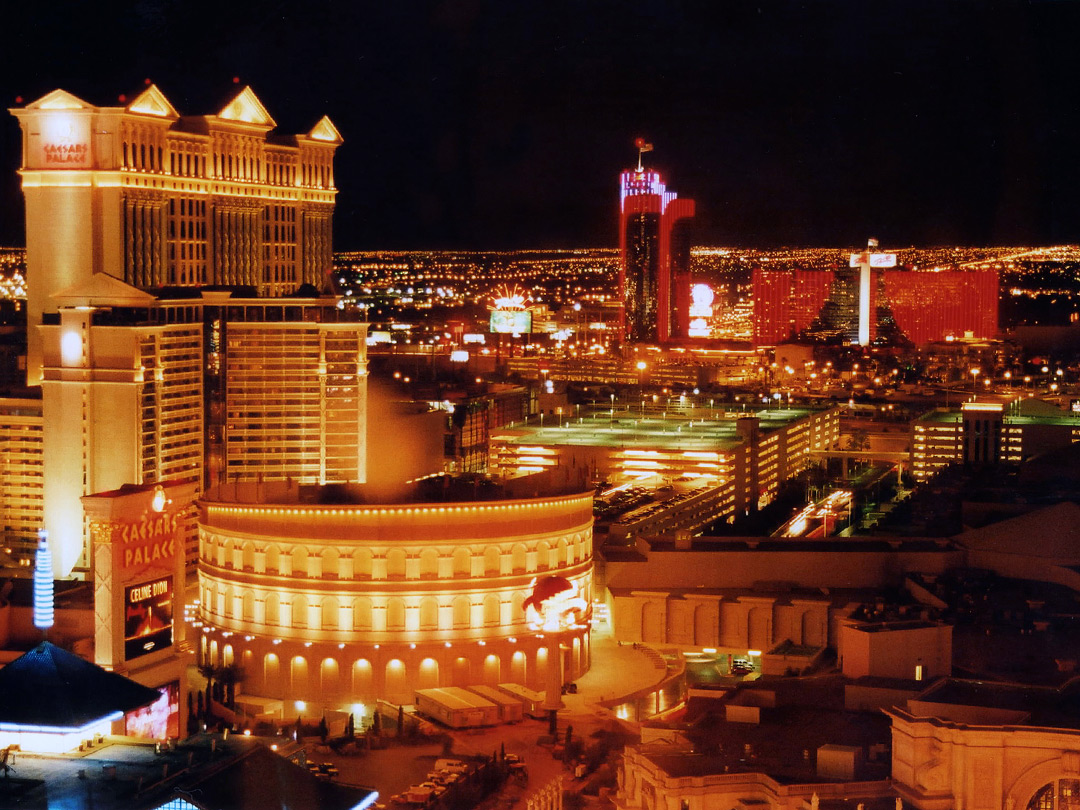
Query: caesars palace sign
(149, 541)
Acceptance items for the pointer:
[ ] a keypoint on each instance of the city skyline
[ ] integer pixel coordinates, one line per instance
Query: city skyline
(490, 127)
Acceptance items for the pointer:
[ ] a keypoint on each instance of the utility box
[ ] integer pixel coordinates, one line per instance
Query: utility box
(839, 761)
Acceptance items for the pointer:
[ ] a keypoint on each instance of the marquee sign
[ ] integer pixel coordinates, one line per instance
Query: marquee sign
(148, 617)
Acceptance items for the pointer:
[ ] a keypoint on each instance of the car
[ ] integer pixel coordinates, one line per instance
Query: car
(741, 666)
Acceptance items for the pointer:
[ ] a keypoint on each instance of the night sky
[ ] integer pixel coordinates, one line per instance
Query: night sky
(505, 124)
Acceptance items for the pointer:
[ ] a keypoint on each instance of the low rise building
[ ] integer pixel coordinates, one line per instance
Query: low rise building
(322, 597)
(746, 453)
(988, 432)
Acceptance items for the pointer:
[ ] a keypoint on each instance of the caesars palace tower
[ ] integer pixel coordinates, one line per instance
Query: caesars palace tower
(175, 319)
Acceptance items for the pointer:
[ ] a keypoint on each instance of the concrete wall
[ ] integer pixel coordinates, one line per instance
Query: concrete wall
(895, 653)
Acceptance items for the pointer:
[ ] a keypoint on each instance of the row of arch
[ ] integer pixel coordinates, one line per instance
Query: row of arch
(395, 563)
(283, 674)
(245, 160)
(230, 605)
(709, 624)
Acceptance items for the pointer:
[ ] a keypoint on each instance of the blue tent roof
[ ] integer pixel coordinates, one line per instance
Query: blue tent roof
(49, 686)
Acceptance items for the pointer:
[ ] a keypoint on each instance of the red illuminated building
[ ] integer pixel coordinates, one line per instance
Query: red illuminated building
(926, 306)
(929, 306)
(654, 276)
(786, 302)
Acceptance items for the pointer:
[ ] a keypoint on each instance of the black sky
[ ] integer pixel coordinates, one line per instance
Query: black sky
(504, 124)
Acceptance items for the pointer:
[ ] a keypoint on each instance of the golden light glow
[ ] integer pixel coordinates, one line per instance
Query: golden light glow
(71, 348)
(555, 605)
(246, 107)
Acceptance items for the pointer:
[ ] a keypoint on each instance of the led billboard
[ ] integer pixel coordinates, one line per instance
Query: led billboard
(511, 321)
(148, 617)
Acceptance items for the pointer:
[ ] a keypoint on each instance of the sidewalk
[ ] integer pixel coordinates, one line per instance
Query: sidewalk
(615, 671)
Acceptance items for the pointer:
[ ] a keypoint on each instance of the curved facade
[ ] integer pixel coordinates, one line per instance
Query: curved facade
(337, 605)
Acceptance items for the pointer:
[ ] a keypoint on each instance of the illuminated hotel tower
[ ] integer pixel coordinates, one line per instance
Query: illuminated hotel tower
(157, 199)
(654, 275)
(204, 389)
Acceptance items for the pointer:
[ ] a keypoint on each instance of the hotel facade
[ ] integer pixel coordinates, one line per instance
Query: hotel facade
(160, 199)
(201, 389)
(338, 604)
(174, 320)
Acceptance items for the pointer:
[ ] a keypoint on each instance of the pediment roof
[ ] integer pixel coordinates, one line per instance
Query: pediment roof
(152, 101)
(59, 100)
(325, 131)
(102, 290)
(246, 108)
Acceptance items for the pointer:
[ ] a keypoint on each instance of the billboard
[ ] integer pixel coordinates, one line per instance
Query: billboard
(148, 617)
(874, 259)
(511, 321)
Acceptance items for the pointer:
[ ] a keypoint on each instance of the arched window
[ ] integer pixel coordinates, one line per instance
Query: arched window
(248, 561)
(518, 557)
(362, 613)
(247, 606)
(492, 609)
(299, 559)
(273, 608)
(429, 613)
(329, 618)
(362, 563)
(330, 563)
(1064, 794)
(273, 560)
(395, 614)
(462, 562)
(560, 553)
(429, 563)
(395, 564)
(517, 608)
(543, 555)
(299, 611)
(462, 610)
(491, 560)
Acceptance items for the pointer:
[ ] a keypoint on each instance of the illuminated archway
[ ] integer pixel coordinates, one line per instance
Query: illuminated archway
(329, 677)
(428, 675)
(462, 672)
(298, 676)
(518, 669)
(272, 673)
(492, 670)
(396, 681)
(362, 679)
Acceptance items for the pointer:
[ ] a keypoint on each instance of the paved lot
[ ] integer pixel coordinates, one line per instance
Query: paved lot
(615, 671)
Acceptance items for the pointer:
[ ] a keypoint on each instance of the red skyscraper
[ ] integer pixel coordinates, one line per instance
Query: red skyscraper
(654, 275)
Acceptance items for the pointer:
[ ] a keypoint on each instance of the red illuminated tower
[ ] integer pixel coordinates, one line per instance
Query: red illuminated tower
(654, 275)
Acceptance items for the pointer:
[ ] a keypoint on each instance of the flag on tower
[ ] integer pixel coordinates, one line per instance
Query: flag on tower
(643, 145)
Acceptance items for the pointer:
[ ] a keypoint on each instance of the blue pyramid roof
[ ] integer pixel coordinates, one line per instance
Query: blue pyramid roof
(49, 686)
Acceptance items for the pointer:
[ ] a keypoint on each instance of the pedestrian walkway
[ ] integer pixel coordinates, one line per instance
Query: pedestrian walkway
(616, 670)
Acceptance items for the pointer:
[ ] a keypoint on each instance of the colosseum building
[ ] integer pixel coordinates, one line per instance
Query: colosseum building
(336, 604)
